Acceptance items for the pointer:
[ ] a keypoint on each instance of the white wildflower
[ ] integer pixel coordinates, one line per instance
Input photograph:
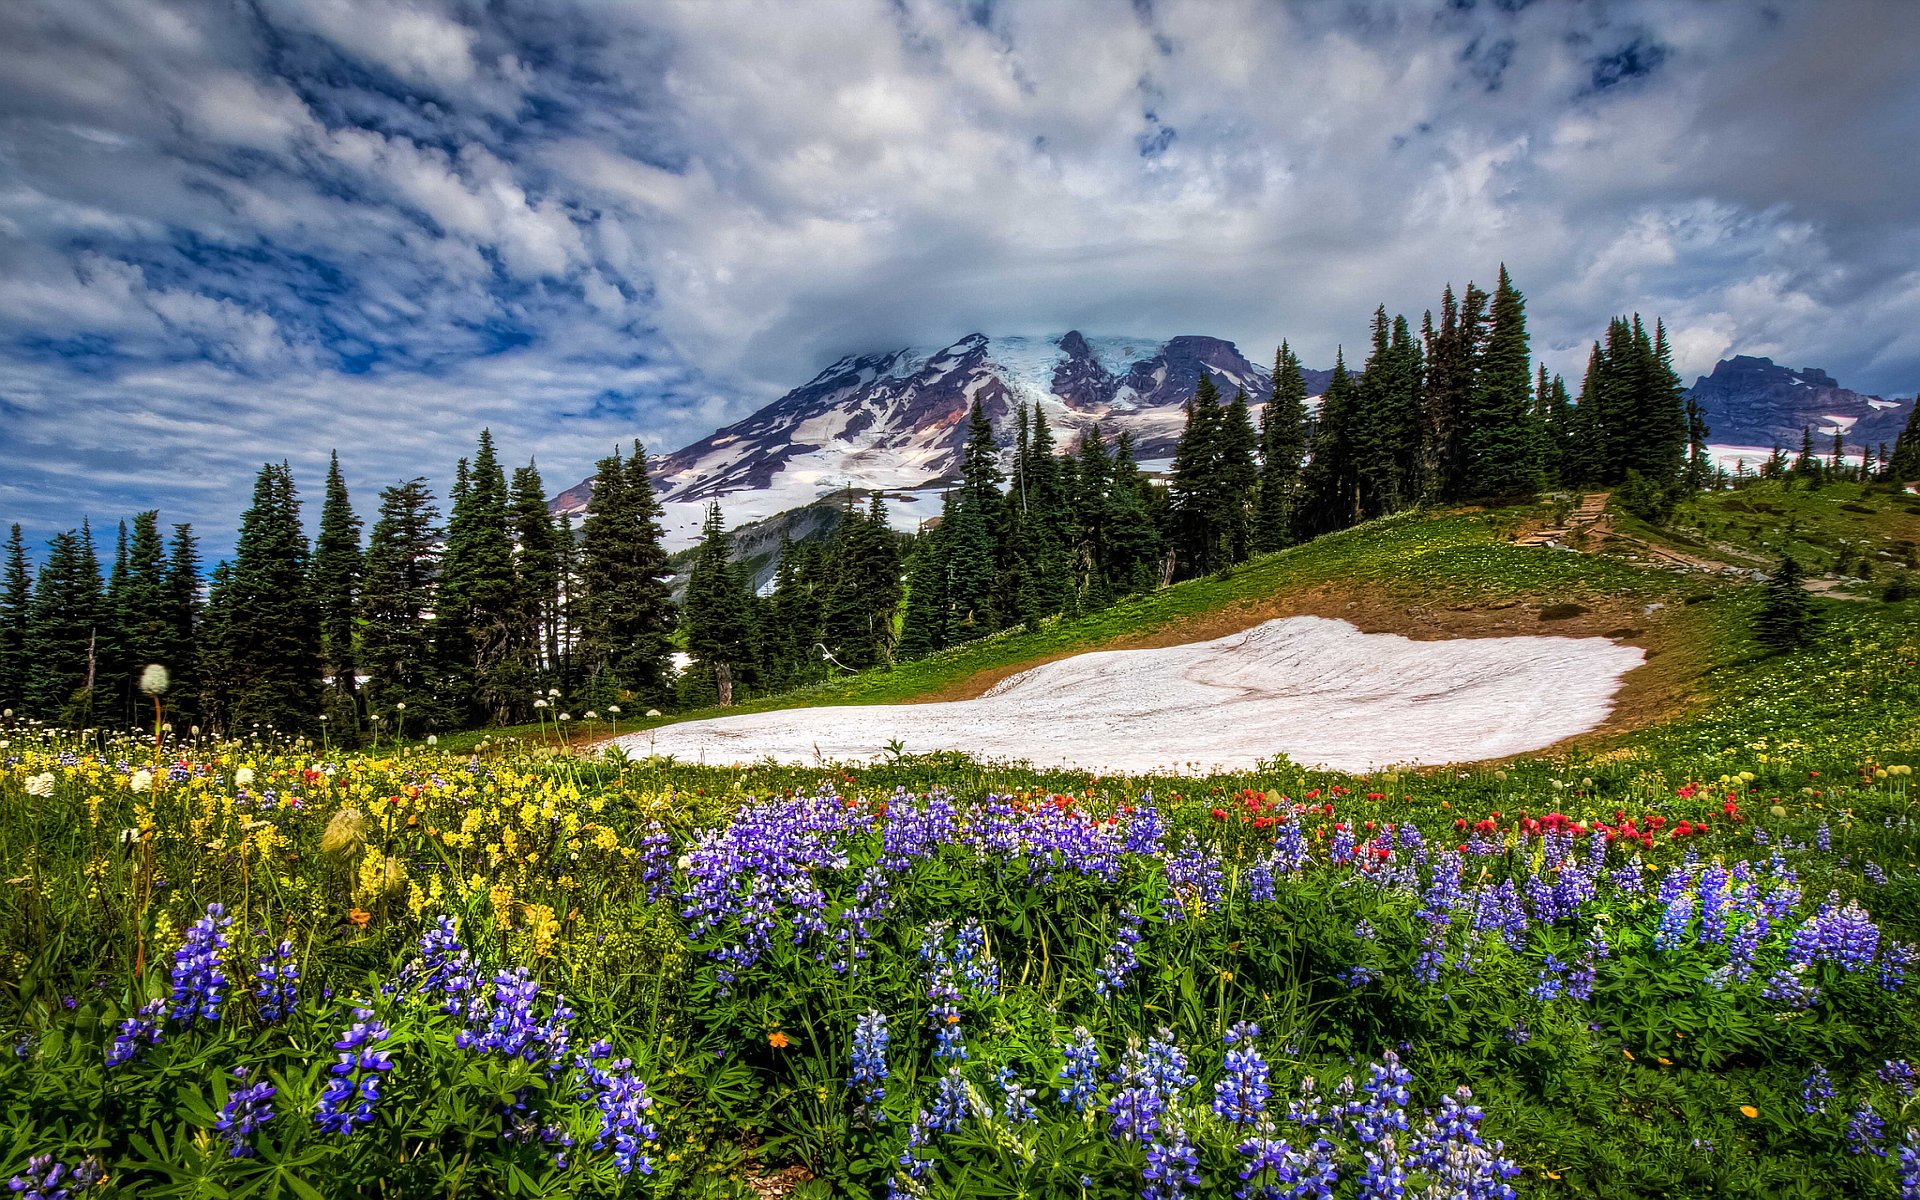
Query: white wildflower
(41, 784)
(142, 780)
(153, 680)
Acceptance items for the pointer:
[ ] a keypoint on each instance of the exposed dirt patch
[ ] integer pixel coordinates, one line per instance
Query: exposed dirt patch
(1661, 688)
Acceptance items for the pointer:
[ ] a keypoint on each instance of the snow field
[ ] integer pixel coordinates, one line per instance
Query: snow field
(1315, 689)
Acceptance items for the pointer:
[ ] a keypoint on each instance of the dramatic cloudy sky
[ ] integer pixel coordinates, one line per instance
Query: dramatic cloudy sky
(243, 230)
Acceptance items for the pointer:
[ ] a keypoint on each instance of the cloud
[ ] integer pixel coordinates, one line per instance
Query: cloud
(230, 234)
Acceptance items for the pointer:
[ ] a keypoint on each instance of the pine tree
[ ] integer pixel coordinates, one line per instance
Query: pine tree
(1904, 466)
(1700, 470)
(184, 634)
(1453, 354)
(145, 616)
(1237, 483)
(1386, 420)
(790, 640)
(1092, 508)
(863, 587)
(718, 612)
(113, 682)
(273, 632)
(923, 627)
(1136, 551)
(536, 565)
(477, 607)
(1049, 529)
(626, 608)
(63, 626)
(1200, 534)
(1502, 440)
(16, 601)
(1330, 499)
(336, 584)
(1786, 619)
(216, 669)
(975, 548)
(397, 595)
(1805, 465)
(1283, 444)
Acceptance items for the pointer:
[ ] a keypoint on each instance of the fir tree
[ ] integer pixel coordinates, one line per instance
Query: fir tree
(16, 600)
(863, 589)
(1805, 465)
(1092, 507)
(273, 635)
(145, 610)
(1700, 470)
(1502, 441)
(1283, 444)
(184, 634)
(1330, 499)
(216, 670)
(974, 546)
(477, 607)
(1236, 485)
(1904, 465)
(113, 681)
(1786, 619)
(537, 573)
(1386, 420)
(63, 628)
(336, 583)
(923, 627)
(397, 595)
(1134, 547)
(718, 612)
(1202, 525)
(626, 608)
(792, 635)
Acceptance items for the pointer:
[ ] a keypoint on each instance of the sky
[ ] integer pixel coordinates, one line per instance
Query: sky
(243, 231)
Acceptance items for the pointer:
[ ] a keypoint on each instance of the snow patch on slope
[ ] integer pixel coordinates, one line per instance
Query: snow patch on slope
(1317, 690)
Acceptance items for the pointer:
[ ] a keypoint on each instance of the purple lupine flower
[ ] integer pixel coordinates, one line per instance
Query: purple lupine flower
(47, 1178)
(950, 1103)
(1823, 837)
(246, 1110)
(1171, 1163)
(1865, 1129)
(1290, 850)
(1894, 961)
(1240, 1098)
(1121, 959)
(1816, 1090)
(869, 1078)
(621, 1096)
(351, 1094)
(147, 1025)
(1196, 879)
(1673, 922)
(199, 983)
(1016, 1102)
(1551, 983)
(1908, 1170)
(277, 985)
(1077, 1076)
(1898, 1074)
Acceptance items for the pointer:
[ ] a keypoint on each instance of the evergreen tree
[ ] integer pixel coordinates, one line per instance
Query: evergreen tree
(718, 611)
(476, 609)
(1047, 525)
(1502, 440)
(397, 595)
(1092, 508)
(216, 668)
(792, 635)
(63, 628)
(184, 634)
(1805, 465)
(1588, 449)
(1786, 619)
(974, 547)
(626, 608)
(1904, 466)
(146, 632)
(863, 587)
(537, 572)
(273, 634)
(1453, 354)
(1202, 523)
(1387, 419)
(1283, 444)
(1237, 484)
(16, 601)
(1135, 550)
(336, 583)
(1330, 499)
(1700, 470)
(113, 682)
(923, 627)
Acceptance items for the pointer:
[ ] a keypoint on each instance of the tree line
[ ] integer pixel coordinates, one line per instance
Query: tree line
(481, 615)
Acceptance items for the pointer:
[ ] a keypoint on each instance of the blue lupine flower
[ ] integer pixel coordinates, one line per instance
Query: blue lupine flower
(1865, 1128)
(950, 1104)
(1121, 960)
(621, 1096)
(1550, 984)
(199, 983)
(1170, 1166)
(1241, 1096)
(1673, 922)
(245, 1111)
(49, 1179)
(1908, 1170)
(1816, 1091)
(1016, 1102)
(1077, 1082)
(1196, 878)
(278, 983)
(869, 1076)
(147, 1026)
(1898, 1074)
(350, 1095)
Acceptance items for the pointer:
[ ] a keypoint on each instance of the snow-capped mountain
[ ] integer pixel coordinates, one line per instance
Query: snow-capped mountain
(897, 421)
(1754, 402)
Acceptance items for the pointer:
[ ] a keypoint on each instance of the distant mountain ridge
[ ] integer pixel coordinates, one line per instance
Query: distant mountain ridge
(897, 420)
(1751, 401)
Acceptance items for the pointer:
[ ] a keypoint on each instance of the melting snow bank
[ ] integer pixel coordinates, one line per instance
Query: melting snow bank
(1317, 690)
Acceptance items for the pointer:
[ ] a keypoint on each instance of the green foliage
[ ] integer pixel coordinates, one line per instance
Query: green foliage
(626, 610)
(1786, 620)
(272, 641)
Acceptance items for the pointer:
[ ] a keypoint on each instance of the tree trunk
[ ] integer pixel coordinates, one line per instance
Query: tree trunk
(723, 683)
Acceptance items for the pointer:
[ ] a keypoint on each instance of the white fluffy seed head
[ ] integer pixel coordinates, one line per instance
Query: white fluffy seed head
(154, 680)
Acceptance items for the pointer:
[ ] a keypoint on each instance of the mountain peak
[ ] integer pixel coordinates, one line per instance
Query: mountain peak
(1749, 400)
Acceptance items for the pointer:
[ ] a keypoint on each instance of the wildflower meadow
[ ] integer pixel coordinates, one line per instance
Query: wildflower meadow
(259, 969)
